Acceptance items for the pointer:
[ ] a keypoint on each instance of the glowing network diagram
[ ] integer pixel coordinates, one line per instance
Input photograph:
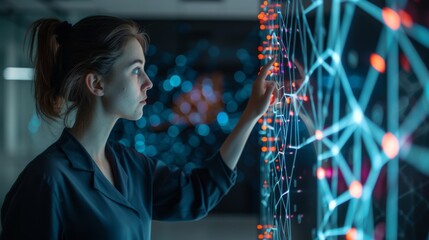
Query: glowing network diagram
(345, 150)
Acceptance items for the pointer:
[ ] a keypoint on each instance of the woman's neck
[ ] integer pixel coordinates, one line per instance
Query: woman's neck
(92, 131)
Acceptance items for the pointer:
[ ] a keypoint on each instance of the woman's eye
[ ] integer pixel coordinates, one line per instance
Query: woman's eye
(136, 71)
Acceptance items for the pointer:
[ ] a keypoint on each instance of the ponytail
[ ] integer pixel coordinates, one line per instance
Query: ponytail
(43, 48)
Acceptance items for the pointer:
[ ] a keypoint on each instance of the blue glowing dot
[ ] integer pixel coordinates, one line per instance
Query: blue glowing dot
(185, 107)
(173, 131)
(214, 51)
(151, 71)
(194, 141)
(240, 95)
(167, 85)
(227, 96)
(203, 129)
(207, 91)
(141, 123)
(175, 81)
(178, 147)
(242, 54)
(171, 117)
(139, 137)
(239, 76)
(231, 106)
(181, 60)
(186, 86)
(154, 120)
(140, 146)
(151, 151)
(222, 118)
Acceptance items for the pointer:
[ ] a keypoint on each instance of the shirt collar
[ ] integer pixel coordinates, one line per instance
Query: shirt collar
(78, 156)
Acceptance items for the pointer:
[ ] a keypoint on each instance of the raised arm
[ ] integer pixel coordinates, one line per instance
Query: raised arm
(256, 106)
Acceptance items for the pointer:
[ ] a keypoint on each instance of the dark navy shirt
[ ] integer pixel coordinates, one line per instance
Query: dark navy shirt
(62, 194)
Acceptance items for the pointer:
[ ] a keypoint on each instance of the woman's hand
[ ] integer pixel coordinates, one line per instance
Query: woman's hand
(257, 105)
(262, 93)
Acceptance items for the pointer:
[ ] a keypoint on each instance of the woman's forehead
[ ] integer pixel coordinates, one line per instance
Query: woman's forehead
(132, 53)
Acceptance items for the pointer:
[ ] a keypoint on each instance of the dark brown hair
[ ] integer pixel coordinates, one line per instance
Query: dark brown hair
(63, 54)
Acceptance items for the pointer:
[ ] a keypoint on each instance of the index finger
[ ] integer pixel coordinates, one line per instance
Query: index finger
(264, 71)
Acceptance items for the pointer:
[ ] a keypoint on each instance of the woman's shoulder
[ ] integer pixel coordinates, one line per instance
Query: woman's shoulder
(51, 162)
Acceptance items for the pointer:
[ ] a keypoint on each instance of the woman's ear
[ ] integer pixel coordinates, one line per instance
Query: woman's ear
(94, 84)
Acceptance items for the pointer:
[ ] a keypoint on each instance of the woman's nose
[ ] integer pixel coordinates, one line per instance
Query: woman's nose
(147, 83)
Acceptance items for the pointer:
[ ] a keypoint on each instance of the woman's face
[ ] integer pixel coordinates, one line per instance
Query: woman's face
(125, 88)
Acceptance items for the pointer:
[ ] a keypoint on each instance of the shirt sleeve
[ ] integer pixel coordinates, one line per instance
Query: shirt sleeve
(30, 210)
(192, 191)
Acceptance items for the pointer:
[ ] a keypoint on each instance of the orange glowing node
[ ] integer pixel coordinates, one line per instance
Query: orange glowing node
(269, 37)
(260, 48)
(264, 139)
(320, 173)
(406, 19)
(264, 149)
(260, 56)
(351, 234)
(318, 134)
(259, 226)
(377, 62)
(261, 236)
(262, 27)
(264, 127)
(391, 18)
(355, 189)
(390, 145)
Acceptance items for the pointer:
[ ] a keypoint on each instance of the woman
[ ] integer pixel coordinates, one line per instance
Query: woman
(87, 187)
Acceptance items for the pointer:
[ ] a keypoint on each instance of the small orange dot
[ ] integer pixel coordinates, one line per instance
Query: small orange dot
(351, 234)
(391, 18)
(259, 226)
(406, 19)
(262, 27)
(377, 62)
(320, 173)
(264, 149)
(390, 145)
(264, 139)
(355, 189)
(261, 236)
(318, 134)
